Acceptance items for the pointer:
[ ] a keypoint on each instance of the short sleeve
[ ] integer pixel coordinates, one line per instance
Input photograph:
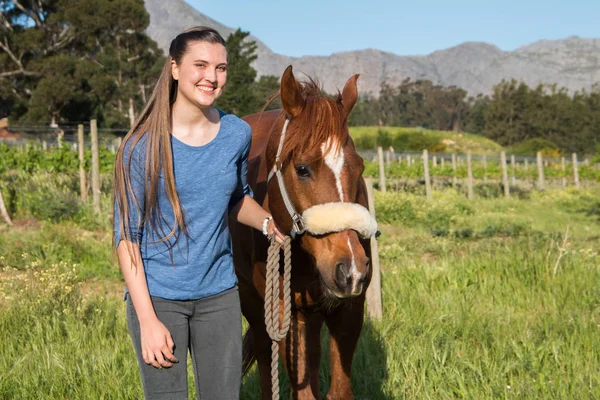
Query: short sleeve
(242, 188)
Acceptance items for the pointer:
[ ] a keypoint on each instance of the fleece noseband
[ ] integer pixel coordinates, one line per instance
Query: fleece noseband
(322, 218)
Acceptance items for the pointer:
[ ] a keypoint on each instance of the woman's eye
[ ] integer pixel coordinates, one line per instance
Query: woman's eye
(223, 68)
(303, 171)
(200, 65)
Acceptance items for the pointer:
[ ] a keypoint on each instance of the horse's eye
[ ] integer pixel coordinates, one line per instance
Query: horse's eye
(303, 171)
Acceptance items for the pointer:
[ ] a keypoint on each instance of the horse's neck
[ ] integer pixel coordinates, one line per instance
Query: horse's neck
(264, 126)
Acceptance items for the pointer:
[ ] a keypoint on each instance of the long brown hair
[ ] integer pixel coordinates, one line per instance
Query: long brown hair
(154, 122)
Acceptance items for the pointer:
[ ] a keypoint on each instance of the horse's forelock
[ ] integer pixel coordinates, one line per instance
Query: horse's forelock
(322, 120)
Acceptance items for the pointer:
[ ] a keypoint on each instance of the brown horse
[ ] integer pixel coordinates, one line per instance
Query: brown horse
(308, 146)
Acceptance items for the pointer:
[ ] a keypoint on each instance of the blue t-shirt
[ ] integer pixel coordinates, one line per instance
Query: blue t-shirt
(210, 180)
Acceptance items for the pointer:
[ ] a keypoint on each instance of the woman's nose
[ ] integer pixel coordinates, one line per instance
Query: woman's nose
(211, 74)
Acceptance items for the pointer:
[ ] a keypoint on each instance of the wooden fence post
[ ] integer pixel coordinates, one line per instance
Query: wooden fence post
(59, 138)
(95, 166)
(564, 171)
(540, 165)
(484, 164)
(3, 211)
(81, 147)
(454, 178)
(426, 167)
(374, 304)
(504, 175)
(575, 170)
(469, 177)
(381, 170)
(513, 178)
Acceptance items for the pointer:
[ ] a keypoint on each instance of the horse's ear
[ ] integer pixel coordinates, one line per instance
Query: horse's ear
(350, 94)
(291, 98)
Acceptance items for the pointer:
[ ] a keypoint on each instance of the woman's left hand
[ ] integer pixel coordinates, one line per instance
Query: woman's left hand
(272, 229)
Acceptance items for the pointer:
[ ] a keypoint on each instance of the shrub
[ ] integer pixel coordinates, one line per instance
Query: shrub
(365, 142)
(395, 209)
(384, 138)
(532, 146)
(504, 230)
(417, 141)
(43, 195)
(488, 190)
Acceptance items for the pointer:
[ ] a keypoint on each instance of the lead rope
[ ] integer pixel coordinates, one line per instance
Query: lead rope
(276, 333)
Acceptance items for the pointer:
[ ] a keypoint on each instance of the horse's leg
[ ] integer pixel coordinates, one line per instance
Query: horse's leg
(344, 326)
(252, 308)
(301, 351)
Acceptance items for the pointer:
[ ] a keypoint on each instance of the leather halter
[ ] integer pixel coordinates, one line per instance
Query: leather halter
(298, 227)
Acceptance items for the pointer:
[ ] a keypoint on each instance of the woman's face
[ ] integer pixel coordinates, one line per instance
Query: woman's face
(201, 74)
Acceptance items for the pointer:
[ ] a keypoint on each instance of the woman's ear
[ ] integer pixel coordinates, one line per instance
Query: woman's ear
(174, 70)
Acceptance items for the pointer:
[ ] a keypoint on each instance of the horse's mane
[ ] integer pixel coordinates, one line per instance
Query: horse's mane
(322, 120)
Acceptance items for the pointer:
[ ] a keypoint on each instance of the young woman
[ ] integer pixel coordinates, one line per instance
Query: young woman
(179, 175)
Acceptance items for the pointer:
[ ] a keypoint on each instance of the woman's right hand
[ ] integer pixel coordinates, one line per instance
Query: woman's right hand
(157, 344)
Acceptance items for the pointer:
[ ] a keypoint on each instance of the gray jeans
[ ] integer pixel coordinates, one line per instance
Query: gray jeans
(211, 328)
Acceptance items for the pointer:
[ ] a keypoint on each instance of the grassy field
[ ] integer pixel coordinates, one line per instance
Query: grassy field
(486, 299)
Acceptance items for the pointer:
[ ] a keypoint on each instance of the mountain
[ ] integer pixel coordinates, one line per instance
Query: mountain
(573, 63)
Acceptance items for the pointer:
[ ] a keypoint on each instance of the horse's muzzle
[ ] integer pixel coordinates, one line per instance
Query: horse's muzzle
(348, 280)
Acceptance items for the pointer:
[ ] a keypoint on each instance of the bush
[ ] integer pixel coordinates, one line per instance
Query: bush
(532, 146)
(504, 230)
(417, 141)
(34, 159)
(43, 195)
(395, 210)
(384, 138)
(488, 190)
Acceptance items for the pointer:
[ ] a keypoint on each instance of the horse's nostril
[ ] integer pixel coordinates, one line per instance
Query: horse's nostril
(342, 276)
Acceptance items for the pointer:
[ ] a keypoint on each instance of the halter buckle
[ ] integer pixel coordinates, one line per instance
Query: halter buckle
(298, 224)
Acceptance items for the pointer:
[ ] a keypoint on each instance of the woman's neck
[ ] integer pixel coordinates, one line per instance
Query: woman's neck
(188, 118)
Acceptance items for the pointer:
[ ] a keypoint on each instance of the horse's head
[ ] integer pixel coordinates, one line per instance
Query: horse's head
(317, 171)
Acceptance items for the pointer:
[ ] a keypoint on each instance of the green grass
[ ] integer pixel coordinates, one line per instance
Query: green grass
(416, 139)
(473, 307)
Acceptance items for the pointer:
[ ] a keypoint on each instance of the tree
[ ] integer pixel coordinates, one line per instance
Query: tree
(239, 98)
(264, 90)
(67, 60)
(476, 112)
(505, 116)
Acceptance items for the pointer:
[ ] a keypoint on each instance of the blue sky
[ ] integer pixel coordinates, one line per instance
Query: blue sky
(322, 27)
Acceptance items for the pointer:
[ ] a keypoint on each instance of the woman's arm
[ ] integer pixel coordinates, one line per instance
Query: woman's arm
(248, 212)
(157, 344)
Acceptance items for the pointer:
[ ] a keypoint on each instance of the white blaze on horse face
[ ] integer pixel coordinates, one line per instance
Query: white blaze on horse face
(353, 270)
(335, 161)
